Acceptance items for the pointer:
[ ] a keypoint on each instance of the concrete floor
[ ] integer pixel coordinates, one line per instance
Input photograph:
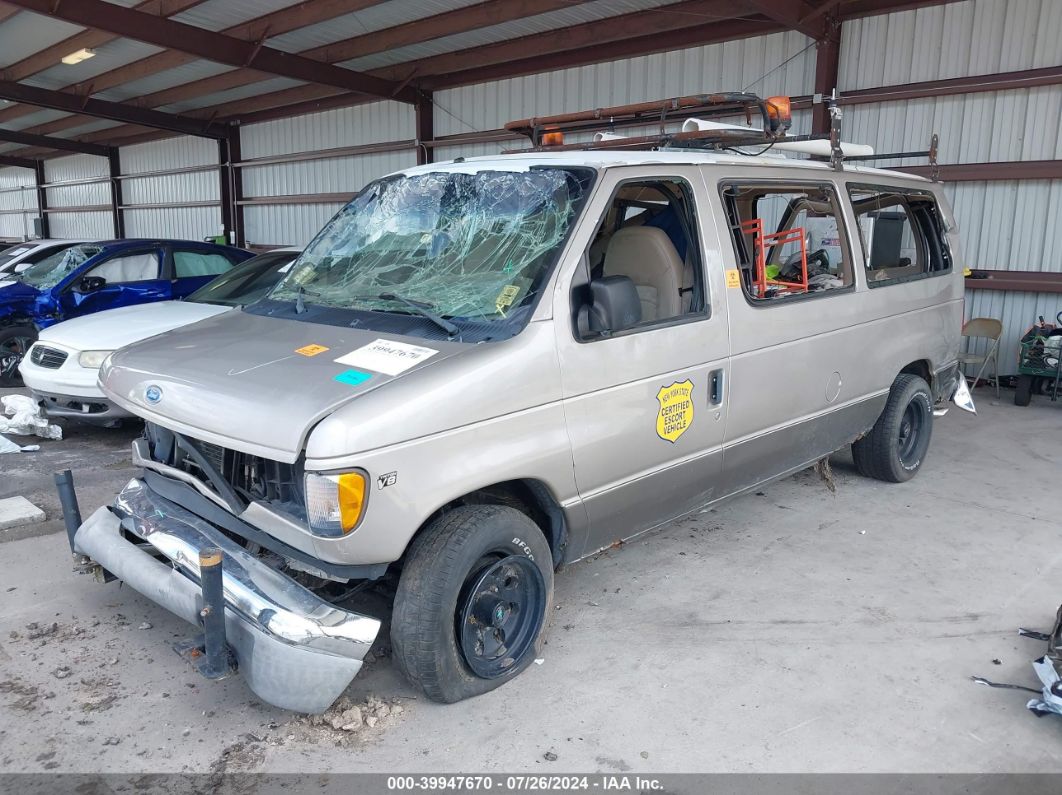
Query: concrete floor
(795, 630)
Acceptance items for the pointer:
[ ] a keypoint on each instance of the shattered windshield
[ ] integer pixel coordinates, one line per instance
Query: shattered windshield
(470, 246)
(51, 270)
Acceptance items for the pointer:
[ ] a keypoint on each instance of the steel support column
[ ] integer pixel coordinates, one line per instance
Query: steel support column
(114, 165)
(425, 122)
(827, 63)
(42, 198)
(231, 186)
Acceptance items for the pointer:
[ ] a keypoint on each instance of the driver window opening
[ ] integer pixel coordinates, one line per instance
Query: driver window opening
(647, 235)
(789, 241)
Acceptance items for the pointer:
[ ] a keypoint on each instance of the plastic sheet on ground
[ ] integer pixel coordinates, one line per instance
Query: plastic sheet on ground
(21, 416)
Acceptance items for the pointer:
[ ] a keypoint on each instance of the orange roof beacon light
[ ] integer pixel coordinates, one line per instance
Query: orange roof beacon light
(780, 111)
(552, 137)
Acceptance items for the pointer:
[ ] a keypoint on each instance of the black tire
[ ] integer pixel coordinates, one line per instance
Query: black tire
(896, 446)
(434, 592)
(1023, 390)
(14, 342)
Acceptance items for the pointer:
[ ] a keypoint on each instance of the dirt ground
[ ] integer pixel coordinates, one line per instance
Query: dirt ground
(797, 629)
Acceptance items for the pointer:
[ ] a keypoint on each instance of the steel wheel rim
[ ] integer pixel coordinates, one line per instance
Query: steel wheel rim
(501, 610)
(911, 426)
(12, 353)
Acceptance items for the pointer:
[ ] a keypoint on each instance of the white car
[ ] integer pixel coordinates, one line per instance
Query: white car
(19, 257)
(63, 365)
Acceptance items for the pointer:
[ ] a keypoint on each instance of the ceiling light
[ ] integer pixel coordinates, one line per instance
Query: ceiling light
(77, 57)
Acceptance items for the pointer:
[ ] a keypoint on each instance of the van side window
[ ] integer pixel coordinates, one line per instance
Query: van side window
(901, 234)
(789, 239)
(648, 234)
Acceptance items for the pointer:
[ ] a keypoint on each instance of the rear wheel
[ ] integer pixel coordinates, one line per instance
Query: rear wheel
(1023, 390)
(473, 601)
(15, 341)
(897, 444)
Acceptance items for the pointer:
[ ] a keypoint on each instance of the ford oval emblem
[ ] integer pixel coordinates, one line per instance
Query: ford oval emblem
(153, 394)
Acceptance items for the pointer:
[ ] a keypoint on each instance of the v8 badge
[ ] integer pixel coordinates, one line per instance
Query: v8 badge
(390, 479)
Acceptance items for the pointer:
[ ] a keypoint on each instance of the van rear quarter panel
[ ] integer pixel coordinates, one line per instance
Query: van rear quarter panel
(809, 375)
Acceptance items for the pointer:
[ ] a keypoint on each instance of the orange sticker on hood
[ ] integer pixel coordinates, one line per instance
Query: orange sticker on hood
(311, 350)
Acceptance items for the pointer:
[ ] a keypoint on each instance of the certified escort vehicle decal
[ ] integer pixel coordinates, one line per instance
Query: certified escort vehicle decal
(353, 377)
(311, 350)
(676, 410)
(387, 356)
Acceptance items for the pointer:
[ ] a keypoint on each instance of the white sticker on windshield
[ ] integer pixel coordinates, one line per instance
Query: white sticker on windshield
(387, 356)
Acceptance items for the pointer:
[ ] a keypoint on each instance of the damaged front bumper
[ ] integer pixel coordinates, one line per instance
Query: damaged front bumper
(295, 650)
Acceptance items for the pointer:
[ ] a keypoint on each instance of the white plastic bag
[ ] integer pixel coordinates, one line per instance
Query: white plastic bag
(22, 417)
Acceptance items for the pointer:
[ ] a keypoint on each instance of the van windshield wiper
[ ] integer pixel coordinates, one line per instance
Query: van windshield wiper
(422, 308)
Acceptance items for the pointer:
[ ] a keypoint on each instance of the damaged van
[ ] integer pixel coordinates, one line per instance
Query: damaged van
(484, 369)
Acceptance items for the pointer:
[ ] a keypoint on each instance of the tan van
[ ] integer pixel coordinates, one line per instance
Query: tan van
(484, 369)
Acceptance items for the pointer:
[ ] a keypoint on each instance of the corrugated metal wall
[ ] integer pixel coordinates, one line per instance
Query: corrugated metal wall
(17, 192)
(1006, 225)
(194, 222)
(295, 224)
(82, 224)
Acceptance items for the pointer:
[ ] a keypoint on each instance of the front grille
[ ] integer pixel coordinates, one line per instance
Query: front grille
(250, 477)
(43, 356)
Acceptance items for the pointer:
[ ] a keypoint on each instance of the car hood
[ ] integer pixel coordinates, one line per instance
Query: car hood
(254, 383)
(116, 328)
(13, 292)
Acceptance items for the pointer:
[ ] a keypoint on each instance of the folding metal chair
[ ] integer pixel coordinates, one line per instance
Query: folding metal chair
(990, 329)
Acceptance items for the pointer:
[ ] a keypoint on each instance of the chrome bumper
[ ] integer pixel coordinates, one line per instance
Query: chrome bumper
(295, 650)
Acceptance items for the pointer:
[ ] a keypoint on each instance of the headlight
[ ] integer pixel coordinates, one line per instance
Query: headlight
(92, 359)
(334, 503)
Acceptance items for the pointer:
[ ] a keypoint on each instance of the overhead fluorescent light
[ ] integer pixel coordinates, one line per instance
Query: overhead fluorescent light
(77, 57)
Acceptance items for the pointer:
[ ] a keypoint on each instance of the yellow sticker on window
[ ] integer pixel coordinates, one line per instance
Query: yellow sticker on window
(311, 350)
(506, 296)
(733, 278)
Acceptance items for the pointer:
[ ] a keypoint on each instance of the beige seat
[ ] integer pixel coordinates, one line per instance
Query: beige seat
(646, 256)
(991, 330)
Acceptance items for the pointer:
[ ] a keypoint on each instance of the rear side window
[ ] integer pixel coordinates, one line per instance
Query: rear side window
(901, 233)
(199, 263)
(788, 239)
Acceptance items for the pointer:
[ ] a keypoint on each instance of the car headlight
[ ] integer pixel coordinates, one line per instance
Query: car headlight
(92, 359)
(335, 503)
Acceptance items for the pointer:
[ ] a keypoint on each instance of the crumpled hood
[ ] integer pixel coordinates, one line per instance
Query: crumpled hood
(239, 380)
(116, 328)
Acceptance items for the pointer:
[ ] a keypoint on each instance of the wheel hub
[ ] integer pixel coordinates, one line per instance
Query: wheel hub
(500, 613)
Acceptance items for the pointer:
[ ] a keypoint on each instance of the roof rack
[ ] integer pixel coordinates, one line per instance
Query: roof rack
(546, 133)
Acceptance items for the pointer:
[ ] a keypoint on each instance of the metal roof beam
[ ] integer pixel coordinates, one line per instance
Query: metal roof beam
(101, 109)
(88, 39)
(276, 23)
(17, 162)
(43, 141)
(212, 46)
(792, 14)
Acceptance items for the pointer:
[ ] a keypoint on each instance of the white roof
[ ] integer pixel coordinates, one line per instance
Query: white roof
(606, 158)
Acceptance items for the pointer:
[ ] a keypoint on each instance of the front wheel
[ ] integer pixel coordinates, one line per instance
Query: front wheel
(896, 446)
(15, 341)
(473, 601)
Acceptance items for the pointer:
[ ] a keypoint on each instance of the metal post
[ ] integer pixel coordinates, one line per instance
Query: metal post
(42, 199)
(213, 613)
(231, 186)
(425, 121)
(64, 483)
(114, 165)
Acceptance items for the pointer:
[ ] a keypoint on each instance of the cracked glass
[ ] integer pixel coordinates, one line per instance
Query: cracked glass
(469, 246)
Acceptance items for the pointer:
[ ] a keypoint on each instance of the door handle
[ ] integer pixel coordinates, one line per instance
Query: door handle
(715, 387)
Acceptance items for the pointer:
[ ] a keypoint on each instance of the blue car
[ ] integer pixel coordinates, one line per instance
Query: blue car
(92, 277)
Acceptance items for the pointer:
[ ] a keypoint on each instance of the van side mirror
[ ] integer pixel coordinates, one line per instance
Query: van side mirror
(614, 305)
(91, 284)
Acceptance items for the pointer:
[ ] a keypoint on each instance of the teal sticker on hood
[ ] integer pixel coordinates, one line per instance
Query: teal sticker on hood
(353, 377)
